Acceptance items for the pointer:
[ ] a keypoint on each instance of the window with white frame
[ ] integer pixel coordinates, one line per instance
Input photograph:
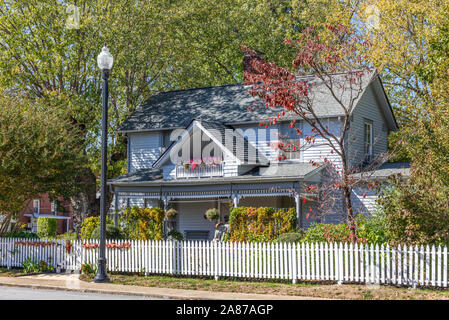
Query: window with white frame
(36, 206)
(54, 207)
(292, 148)
(368, 140)
(291, 141)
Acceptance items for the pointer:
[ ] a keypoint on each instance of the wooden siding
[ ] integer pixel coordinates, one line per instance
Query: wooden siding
(367, 109)
(191, 217)
(145, 148)
(320, 149)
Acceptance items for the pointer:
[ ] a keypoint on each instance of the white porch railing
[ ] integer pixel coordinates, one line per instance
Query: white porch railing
(200, 172)
(380, 264)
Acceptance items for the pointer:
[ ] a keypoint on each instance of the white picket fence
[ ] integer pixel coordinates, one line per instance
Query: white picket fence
(345, 263)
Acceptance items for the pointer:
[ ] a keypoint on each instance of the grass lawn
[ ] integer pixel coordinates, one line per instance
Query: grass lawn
(4, 272)
(322, 290)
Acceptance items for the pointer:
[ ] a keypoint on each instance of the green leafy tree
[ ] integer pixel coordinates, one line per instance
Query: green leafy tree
(49, 53)
(39, 153)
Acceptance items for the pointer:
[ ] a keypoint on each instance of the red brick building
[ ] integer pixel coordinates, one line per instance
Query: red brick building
(44, 207)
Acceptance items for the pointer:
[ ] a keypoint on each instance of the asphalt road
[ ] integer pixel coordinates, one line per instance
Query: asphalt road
(17, 293)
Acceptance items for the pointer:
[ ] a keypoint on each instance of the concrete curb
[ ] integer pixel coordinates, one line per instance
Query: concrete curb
(119, 293)
(164, 293)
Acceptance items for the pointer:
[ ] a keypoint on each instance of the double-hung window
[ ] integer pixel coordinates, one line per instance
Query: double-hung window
(368, 140)
(36, 206)
(54, 207)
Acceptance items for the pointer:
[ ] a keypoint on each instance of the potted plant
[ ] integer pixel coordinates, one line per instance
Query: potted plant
(212, 214)
(171, 214)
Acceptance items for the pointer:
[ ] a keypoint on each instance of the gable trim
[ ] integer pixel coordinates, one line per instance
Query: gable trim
(189, 128)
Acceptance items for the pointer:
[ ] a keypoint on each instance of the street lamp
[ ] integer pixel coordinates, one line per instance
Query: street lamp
(105, 61)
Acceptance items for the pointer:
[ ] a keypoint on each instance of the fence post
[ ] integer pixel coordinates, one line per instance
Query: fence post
(8, 253)
(340, 263)
(294, 260)
(215, 255)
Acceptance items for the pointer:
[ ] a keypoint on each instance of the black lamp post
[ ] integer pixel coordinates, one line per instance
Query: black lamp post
(105, 61)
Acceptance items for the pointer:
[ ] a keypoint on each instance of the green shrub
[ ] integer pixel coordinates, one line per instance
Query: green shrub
(175, 235)
(416, 212)
(22, 234)
(47, 227)
(260, 224)
(323, 232)
(372, 228)
(30, 266)
(89, 269)
(144, 223)
(212, 214)
(112, 232)
(89, 225)
(290, 237)
(67, 236)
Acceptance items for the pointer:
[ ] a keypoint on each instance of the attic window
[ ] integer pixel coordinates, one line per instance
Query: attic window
(368, 140)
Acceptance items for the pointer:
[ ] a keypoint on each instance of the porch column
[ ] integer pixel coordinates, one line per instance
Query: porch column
(298, 210)
(166, 200)
(235, 199)
(116, 208)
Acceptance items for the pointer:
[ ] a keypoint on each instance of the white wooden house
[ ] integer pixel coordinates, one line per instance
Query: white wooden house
(240, 165)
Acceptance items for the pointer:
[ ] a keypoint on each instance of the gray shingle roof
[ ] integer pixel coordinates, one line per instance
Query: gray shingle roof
(227, 104)
(385, 170)
(142, 175)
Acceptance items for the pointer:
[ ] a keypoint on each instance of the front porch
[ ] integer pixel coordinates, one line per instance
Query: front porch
(192, 200)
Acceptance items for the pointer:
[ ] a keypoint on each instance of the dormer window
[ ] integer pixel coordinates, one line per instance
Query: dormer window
(368, 140)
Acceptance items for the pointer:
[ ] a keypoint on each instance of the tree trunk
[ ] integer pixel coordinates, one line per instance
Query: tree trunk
(4, 224)
(350, 213)
(85, 203)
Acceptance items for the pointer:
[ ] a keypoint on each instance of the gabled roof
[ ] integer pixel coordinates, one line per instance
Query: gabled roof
(217, 132)
(229, 104)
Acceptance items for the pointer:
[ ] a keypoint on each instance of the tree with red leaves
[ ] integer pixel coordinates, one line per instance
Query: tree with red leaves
(330, 62)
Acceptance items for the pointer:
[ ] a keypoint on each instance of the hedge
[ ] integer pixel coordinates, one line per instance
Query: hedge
(260, 224)
(47, 227)
(144, 223)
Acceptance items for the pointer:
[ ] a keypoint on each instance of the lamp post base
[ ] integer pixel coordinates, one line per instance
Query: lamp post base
(101, 276)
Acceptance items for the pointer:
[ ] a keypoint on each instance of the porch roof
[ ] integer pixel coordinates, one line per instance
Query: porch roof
(274, 172)
(386, 170)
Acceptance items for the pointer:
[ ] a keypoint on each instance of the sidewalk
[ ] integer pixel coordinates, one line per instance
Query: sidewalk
(71, 282)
